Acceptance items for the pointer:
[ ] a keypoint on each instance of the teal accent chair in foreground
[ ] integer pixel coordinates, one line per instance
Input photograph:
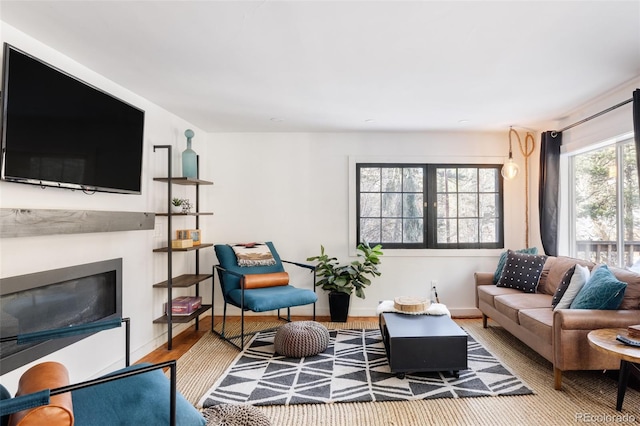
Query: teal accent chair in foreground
(271, 294)
(135, 395)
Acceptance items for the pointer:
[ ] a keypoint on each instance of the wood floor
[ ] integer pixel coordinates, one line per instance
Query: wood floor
(185, 340)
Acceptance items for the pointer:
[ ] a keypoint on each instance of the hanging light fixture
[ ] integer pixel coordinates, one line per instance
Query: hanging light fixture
(510, 169)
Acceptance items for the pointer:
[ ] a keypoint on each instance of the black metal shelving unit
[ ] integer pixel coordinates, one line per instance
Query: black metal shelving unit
(185, 280)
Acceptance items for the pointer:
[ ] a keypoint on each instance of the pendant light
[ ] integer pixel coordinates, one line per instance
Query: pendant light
(510, 169)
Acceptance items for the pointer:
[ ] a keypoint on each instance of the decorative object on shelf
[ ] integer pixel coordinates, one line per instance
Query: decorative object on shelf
(186, 206)
(185, 243)
(176, 205)
(341, 280)
(189, 158)
(189, 234)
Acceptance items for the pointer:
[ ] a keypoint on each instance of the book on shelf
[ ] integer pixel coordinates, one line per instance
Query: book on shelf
(184, 305)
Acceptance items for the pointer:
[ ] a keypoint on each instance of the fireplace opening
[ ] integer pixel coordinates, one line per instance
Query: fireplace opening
(55, 299)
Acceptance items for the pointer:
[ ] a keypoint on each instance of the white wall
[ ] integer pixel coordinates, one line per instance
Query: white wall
(293, 189)
(141, 267)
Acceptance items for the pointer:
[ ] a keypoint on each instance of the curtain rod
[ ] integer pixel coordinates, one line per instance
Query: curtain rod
(584, 120)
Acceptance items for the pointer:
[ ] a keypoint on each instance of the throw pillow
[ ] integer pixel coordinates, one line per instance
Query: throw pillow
(522, 271)
(562, 287)
(503, 259)
(602, 291)
(578, 280)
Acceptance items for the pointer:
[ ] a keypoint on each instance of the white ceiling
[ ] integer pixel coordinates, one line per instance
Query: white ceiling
(262, 66)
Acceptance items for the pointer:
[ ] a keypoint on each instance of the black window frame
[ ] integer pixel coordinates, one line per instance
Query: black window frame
(430, 206)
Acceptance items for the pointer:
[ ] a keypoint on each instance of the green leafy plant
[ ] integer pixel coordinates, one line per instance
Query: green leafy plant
(347, 278)
(177, 202)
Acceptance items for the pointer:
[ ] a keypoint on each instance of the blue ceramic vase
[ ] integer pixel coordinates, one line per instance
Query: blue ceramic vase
(189, 158)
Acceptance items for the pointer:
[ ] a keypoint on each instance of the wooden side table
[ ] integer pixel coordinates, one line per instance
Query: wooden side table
(604, 340)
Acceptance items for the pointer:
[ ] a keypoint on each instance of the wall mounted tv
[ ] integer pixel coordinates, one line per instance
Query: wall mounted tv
(60, 131)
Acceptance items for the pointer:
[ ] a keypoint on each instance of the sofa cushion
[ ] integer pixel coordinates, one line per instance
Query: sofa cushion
(602, 291)
(510, 304)
(631, 299)
(142, 399)
(521, 271)
(562, 288)
(486, 293)
(554, 270)
(578, 280)
(539, 321)
(503, 260)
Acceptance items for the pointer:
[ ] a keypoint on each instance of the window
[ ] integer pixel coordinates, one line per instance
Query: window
(605, 207)
(442, 206)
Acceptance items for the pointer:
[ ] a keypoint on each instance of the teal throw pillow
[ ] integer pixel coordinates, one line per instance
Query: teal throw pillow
(503, 260)
(602, 291)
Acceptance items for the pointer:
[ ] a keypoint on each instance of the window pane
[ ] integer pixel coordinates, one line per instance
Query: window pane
(392, 179)
(391, 231)
(413, 231)
(467, 180)
(488, 230)
(447, 205)
(370, 179)
(369, 205)
(446, 180)
(370, 230)
(391, 205)
(595, 204)
(468, 205)
(413, 205)
(468, 231)
(413, 179)
(447, 231)
(631, 213)
(488, 205)
(488, 180)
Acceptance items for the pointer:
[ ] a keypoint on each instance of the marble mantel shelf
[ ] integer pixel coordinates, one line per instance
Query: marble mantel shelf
(32, 222)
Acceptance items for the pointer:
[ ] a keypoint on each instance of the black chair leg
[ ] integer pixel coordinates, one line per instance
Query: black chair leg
(224, 318)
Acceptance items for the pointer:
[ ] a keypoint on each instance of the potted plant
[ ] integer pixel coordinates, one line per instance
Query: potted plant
(176, 205)
(341, 280)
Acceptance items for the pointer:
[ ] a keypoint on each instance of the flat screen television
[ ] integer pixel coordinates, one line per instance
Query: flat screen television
(60, 131)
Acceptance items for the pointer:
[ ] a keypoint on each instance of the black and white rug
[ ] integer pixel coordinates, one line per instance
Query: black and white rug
(354, 368)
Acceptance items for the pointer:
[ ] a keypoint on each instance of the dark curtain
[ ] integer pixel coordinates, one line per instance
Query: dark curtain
(548, 190)
(636, 127)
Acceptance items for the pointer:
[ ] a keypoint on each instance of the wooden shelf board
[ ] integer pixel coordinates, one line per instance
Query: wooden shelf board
(183, 281)
(198, 247)
(186, 214)
(184, 181)
(182, 318)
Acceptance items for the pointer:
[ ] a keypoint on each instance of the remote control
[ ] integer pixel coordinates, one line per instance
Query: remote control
(628, 341)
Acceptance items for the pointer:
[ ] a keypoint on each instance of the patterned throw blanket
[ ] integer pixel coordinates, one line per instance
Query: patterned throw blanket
(253, 254)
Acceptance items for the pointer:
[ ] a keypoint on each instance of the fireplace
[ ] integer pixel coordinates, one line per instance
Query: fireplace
(55, 299)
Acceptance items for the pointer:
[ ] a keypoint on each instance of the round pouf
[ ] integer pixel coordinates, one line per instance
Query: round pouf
(301, 338)
(235, 415)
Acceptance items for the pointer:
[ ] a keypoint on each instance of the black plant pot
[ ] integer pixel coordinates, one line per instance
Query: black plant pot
(339, 306)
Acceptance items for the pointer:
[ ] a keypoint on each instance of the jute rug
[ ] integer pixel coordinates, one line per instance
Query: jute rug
(586, 396)
(353, 368)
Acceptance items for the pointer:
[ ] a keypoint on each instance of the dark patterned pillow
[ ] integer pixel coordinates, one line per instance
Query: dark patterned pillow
(522, 271)
(562, 287)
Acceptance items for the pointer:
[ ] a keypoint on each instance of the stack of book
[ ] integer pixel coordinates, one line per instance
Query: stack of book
(634, 331)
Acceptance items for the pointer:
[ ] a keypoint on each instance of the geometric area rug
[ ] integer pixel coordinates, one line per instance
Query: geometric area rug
(353, 368)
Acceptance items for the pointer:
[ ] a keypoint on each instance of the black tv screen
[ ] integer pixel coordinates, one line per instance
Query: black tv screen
(60, 131)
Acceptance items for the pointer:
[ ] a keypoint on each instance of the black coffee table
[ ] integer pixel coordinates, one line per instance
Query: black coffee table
(420, 343)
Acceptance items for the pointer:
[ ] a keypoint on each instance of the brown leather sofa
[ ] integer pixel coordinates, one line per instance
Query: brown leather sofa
(559, 336)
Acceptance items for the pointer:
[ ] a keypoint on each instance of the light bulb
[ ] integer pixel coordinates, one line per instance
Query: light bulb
(510, 169)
